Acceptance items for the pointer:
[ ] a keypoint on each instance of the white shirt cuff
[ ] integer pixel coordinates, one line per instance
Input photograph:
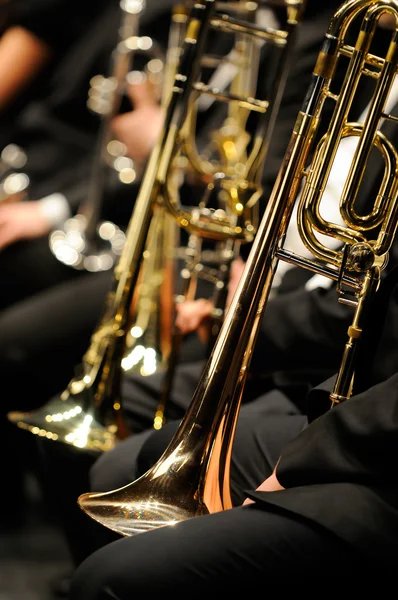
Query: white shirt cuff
(55, 208)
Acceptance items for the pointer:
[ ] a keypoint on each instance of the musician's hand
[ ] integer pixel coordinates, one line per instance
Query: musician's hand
(194, 315)
(237, 267)
(21, 221)
(139, 129)
(271, 484)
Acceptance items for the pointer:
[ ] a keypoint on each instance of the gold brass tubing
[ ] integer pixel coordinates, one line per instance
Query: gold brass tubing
(389, 117)
(385, 199)
(192, 29)
(308, 213)
(319, 268)
(250, 103)
(388, 229)
(370, 59)
(219, 230)
(228, 24)
(308, 216)
(368, 137)
(354, 332)
(237, 7)
(343, 386)
(325, 65)
(382, 206)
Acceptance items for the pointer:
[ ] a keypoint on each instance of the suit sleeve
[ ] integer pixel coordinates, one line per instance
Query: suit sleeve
(302, 330)
(354, 442)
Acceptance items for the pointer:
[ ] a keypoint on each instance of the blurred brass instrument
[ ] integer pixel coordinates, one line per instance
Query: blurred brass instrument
(192, 476)
(88, 413)
(229, 167)
(72, 416)
(13, 181)
(86, 242)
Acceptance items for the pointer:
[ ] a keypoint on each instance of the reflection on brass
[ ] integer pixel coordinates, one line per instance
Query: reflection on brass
(325, 65)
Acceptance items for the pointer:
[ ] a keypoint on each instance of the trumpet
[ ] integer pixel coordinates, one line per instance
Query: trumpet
(88, 414)
(85, 242)
(192, 476)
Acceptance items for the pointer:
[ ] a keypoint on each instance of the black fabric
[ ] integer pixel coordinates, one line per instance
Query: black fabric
(40, 348)
(339, 470)
(244, 548)
(344, 459)
(262, 424)
(375, 350)
(56, 22)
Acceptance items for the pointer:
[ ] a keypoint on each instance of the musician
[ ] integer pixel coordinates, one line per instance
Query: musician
(296, 344)
(72, 42)
(66, 315)
(45, 336)
(329, 490)
(333, 494)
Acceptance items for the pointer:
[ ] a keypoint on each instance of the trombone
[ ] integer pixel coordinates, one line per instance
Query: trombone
(84, 242)
(88, 414)
(192, 476)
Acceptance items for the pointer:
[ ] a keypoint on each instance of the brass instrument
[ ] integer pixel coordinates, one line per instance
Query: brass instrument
(230, 166)
(88, 412)
(84, 242)
(192, 476)
(13, 182)
(70, 417)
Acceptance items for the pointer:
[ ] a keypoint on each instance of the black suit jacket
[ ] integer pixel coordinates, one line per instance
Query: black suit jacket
(341, 470)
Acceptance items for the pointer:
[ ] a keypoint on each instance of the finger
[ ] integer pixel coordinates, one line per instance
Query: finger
(121, 123)
(237, 268)
(187, 323)
(247, 501)
(191, 314)
(142, 94)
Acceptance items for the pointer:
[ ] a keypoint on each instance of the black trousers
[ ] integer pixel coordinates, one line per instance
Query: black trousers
(245, 546)
(265, 426)
(43, 337)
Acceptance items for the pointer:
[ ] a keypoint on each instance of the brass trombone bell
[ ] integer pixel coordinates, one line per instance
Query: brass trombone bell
(70, 419)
